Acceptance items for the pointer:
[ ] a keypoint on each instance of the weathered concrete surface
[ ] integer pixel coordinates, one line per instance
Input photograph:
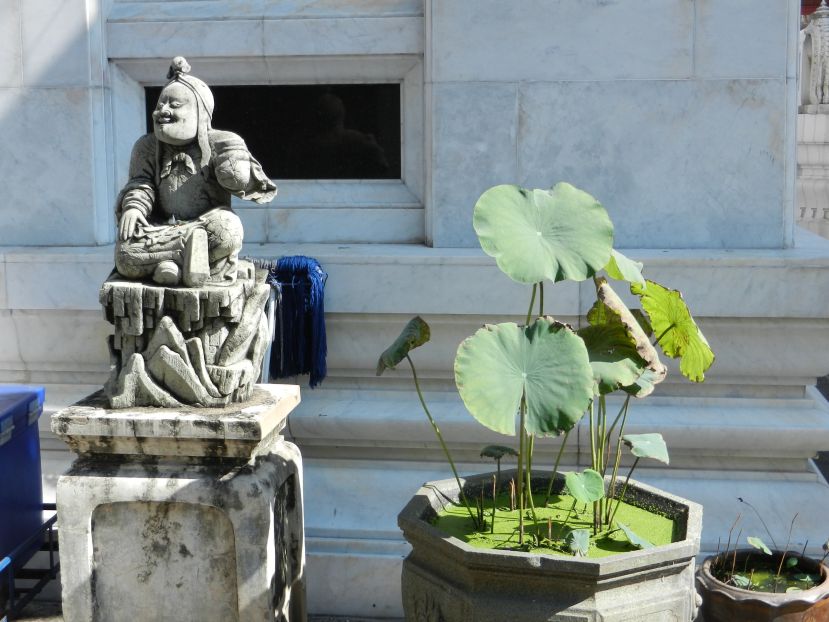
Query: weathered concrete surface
(180, 517)
(232, 431)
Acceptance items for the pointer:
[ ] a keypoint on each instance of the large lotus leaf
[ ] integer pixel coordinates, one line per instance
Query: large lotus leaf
(647, 446)
(414, 334)
(612, 355)
(676, 331)
(546, 362)
(623, 268)
(557, 234)
(585, 487)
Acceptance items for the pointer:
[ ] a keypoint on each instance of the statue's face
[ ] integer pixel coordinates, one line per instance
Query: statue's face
(175, 118)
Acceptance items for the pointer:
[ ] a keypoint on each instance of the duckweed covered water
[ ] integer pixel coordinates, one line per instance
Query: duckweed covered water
(455, 521)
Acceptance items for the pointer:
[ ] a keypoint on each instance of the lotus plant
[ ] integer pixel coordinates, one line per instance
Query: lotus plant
(541, 377)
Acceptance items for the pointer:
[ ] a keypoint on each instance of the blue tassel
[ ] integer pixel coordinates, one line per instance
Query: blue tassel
(300, 346)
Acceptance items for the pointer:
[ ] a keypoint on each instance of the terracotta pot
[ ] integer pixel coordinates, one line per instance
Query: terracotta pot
(446, 580)
(726, 603)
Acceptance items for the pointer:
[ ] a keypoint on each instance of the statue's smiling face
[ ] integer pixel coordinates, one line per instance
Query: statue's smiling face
(175, 118)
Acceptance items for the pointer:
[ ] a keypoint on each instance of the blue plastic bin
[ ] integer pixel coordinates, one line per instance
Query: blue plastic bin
(21, 490)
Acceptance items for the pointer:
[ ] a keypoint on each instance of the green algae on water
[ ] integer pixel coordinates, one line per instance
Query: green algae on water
(454, 520)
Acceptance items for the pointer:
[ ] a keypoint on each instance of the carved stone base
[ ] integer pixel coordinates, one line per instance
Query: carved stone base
(178, 534)
(186, 345)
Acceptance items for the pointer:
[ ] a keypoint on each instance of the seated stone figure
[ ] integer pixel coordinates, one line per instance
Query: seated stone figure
(175, 224)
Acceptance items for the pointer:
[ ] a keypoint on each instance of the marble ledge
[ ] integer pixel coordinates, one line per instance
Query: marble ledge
(394, 277)
(148, 11)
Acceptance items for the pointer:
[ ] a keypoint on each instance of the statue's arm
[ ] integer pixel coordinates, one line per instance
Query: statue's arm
(237, 170)
(135, 201)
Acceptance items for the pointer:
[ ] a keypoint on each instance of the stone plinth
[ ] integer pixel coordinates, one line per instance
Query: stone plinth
(182, 515)
(186, 345)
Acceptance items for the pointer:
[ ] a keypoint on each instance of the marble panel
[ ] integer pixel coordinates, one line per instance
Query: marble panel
(64, 60)
(255, 224)
(344, 225)
(474, 133)
(741, 39)
(11, 68)
(53, 284)
(678, 164)
(129, 119)
(373, 586)
(315, 37)
(9, 344)
(565, 40)
(191, 39)
(58, 340)
(49, 129)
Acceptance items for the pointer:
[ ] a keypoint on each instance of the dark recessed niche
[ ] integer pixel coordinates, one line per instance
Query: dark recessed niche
(332, 131)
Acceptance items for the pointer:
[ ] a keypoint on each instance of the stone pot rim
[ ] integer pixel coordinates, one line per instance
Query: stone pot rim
(415, 528)
(737, 594)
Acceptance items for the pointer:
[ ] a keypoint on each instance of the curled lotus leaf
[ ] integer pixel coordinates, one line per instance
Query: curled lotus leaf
(557, 234)
(613, 357)
(496, 452)
(585, 487)
(676, 331)
(621, 341)
(414, 334)
(623, 268)
(544, 363)
(578, 542)
(636, 540)
(647, 446)
(758, 543)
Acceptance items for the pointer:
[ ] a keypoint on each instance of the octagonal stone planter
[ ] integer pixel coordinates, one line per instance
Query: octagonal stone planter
(446, 580)
(725, 603)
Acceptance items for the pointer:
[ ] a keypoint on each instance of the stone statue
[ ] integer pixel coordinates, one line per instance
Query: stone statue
(815, 61)
(174, 216)
(188, 314)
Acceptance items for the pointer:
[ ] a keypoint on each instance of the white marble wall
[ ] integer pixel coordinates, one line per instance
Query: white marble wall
(53, 117)
(674, 113)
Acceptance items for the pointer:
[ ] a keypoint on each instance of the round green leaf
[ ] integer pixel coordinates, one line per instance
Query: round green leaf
(647, 446)
(677, 333)
(557, 234)
(414, 334)
(623, 268)
(546, 362)
(585, 487)
(578, 541)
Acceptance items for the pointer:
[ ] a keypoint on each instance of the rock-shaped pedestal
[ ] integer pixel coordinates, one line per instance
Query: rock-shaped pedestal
(187, 514)
(186, 345)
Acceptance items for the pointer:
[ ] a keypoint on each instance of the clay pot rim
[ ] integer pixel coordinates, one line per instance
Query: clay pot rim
(812, 595)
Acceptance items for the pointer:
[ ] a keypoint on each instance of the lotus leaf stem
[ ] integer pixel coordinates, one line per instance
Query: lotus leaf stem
(442, 443)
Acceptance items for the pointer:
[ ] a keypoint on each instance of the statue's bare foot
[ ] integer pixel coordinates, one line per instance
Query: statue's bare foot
(167, 273)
